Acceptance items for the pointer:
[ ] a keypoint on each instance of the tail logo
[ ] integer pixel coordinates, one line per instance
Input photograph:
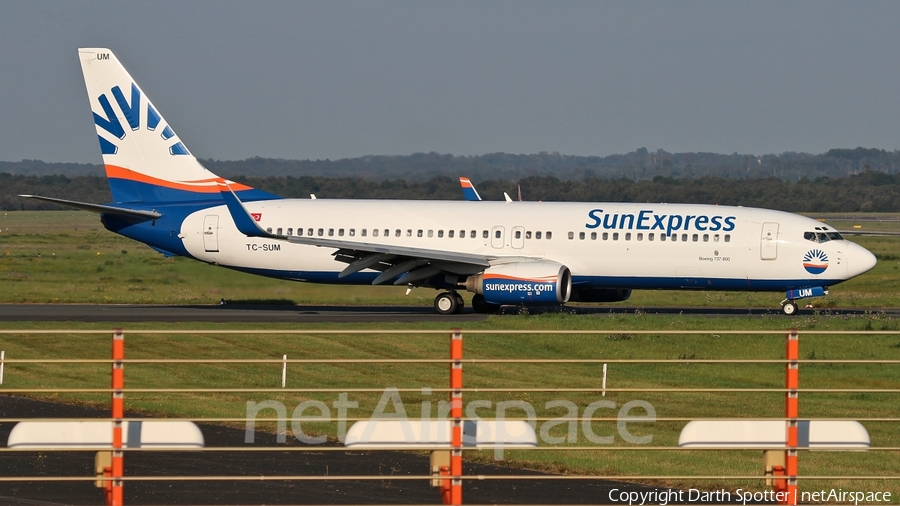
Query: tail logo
(131, 111)
(815, 261)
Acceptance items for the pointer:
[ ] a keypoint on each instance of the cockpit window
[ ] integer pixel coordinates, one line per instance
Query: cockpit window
(821, 237)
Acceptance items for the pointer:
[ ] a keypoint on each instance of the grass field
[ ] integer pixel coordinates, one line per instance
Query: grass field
(68, 257)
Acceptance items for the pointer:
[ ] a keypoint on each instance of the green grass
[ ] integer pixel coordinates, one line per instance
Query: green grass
(622, 342)
(68, 257)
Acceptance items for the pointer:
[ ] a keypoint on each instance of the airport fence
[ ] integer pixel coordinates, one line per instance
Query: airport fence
(740, 407)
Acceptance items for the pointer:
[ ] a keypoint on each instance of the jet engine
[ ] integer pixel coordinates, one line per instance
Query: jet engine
(523, 283)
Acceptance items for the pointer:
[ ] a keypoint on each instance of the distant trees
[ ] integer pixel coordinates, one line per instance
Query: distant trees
(868, 190)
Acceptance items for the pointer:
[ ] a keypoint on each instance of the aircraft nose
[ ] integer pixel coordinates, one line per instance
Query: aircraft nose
(860, 260)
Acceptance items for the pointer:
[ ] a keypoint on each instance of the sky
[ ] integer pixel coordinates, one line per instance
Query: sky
(335, 79)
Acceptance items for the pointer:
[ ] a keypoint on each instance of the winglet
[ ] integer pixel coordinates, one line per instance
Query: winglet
(469, 191)
(242, 219)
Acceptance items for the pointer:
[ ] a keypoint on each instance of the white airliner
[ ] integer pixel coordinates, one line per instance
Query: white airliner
(521, 253)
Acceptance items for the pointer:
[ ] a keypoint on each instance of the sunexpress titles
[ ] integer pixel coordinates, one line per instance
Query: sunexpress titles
(668, 223)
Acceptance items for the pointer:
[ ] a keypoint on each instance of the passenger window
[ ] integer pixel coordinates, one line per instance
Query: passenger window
(518, 234)
(409, 232)
(727, 237)
(397, 233)
(581, 235)
(683, 237)
(705, 237)
(497, 234)
(462, 234)
(640, 236)
(695, 238)
(419, 233)
(549, 235)
(321, 232)
(473, 234)
(716, 238)
(330, 232)
(387, 232)
(674, 237)
(593, 236)
(299, 231)
(269, 230)
(615, 236)
(484, 233)
(431, 233)
(440, 233)
(341, 232)
(363, 233)
(662, 237)
(450, 234)
(290, 231)
(627, 236)
(352, 232)
(650, 236)
(279, 231)
(309, 232)
(571, 235)
(528, 234)
(374, 232)
(605, 236)
(537, 235)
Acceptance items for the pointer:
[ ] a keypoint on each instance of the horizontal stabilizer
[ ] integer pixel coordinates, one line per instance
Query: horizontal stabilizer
(98, 208)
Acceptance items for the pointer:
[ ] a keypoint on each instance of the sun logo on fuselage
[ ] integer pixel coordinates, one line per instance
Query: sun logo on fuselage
(815, 261)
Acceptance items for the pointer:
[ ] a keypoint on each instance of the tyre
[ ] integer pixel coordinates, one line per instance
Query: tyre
(446, 303)
(789, 308)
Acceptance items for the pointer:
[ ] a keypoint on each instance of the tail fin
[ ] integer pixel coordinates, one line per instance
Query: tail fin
(145, 160)
(468, 189)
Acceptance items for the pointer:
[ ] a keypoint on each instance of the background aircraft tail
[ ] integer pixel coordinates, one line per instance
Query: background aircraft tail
(145, 160)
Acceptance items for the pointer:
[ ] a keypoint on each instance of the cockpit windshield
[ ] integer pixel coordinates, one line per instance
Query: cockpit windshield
(823, 235)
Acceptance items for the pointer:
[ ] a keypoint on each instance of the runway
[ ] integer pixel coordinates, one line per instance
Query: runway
(126, 313)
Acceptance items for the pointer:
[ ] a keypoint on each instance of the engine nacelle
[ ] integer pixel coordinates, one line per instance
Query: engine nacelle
(583, 294)
(523, 283)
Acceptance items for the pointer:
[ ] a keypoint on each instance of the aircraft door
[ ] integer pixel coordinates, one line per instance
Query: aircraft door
(211, 233)
(518, 237)
(768, 245)
(497, 237)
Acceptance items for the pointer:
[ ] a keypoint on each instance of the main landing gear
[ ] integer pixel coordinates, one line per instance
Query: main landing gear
(449, 303)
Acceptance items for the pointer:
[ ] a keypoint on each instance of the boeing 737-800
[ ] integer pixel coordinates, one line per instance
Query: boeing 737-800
(527, 253)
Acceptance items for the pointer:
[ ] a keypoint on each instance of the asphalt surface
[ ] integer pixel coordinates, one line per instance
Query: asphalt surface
(229, 313)
(385, 491)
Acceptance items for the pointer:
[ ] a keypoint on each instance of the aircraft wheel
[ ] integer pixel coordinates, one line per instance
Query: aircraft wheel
(446, 303)
(460, 302)
(789, 308)
(482, 306)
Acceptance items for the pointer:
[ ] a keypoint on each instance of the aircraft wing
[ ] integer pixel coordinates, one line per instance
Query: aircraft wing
(416, 265)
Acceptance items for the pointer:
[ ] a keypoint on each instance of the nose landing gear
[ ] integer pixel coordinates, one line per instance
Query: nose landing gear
(789, 307)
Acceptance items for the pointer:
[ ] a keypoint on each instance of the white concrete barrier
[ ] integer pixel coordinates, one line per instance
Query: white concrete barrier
(487, 434)
(163, 434)
(818, 434)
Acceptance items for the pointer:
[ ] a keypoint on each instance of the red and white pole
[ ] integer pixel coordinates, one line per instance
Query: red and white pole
(116, 494)
(456, 412)
(792, 411)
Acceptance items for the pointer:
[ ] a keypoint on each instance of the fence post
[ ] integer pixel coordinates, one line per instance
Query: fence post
(116, 493)
(792, 411)
(456, 412)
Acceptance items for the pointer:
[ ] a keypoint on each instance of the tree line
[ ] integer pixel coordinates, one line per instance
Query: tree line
(868, 191)
(640, 164)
